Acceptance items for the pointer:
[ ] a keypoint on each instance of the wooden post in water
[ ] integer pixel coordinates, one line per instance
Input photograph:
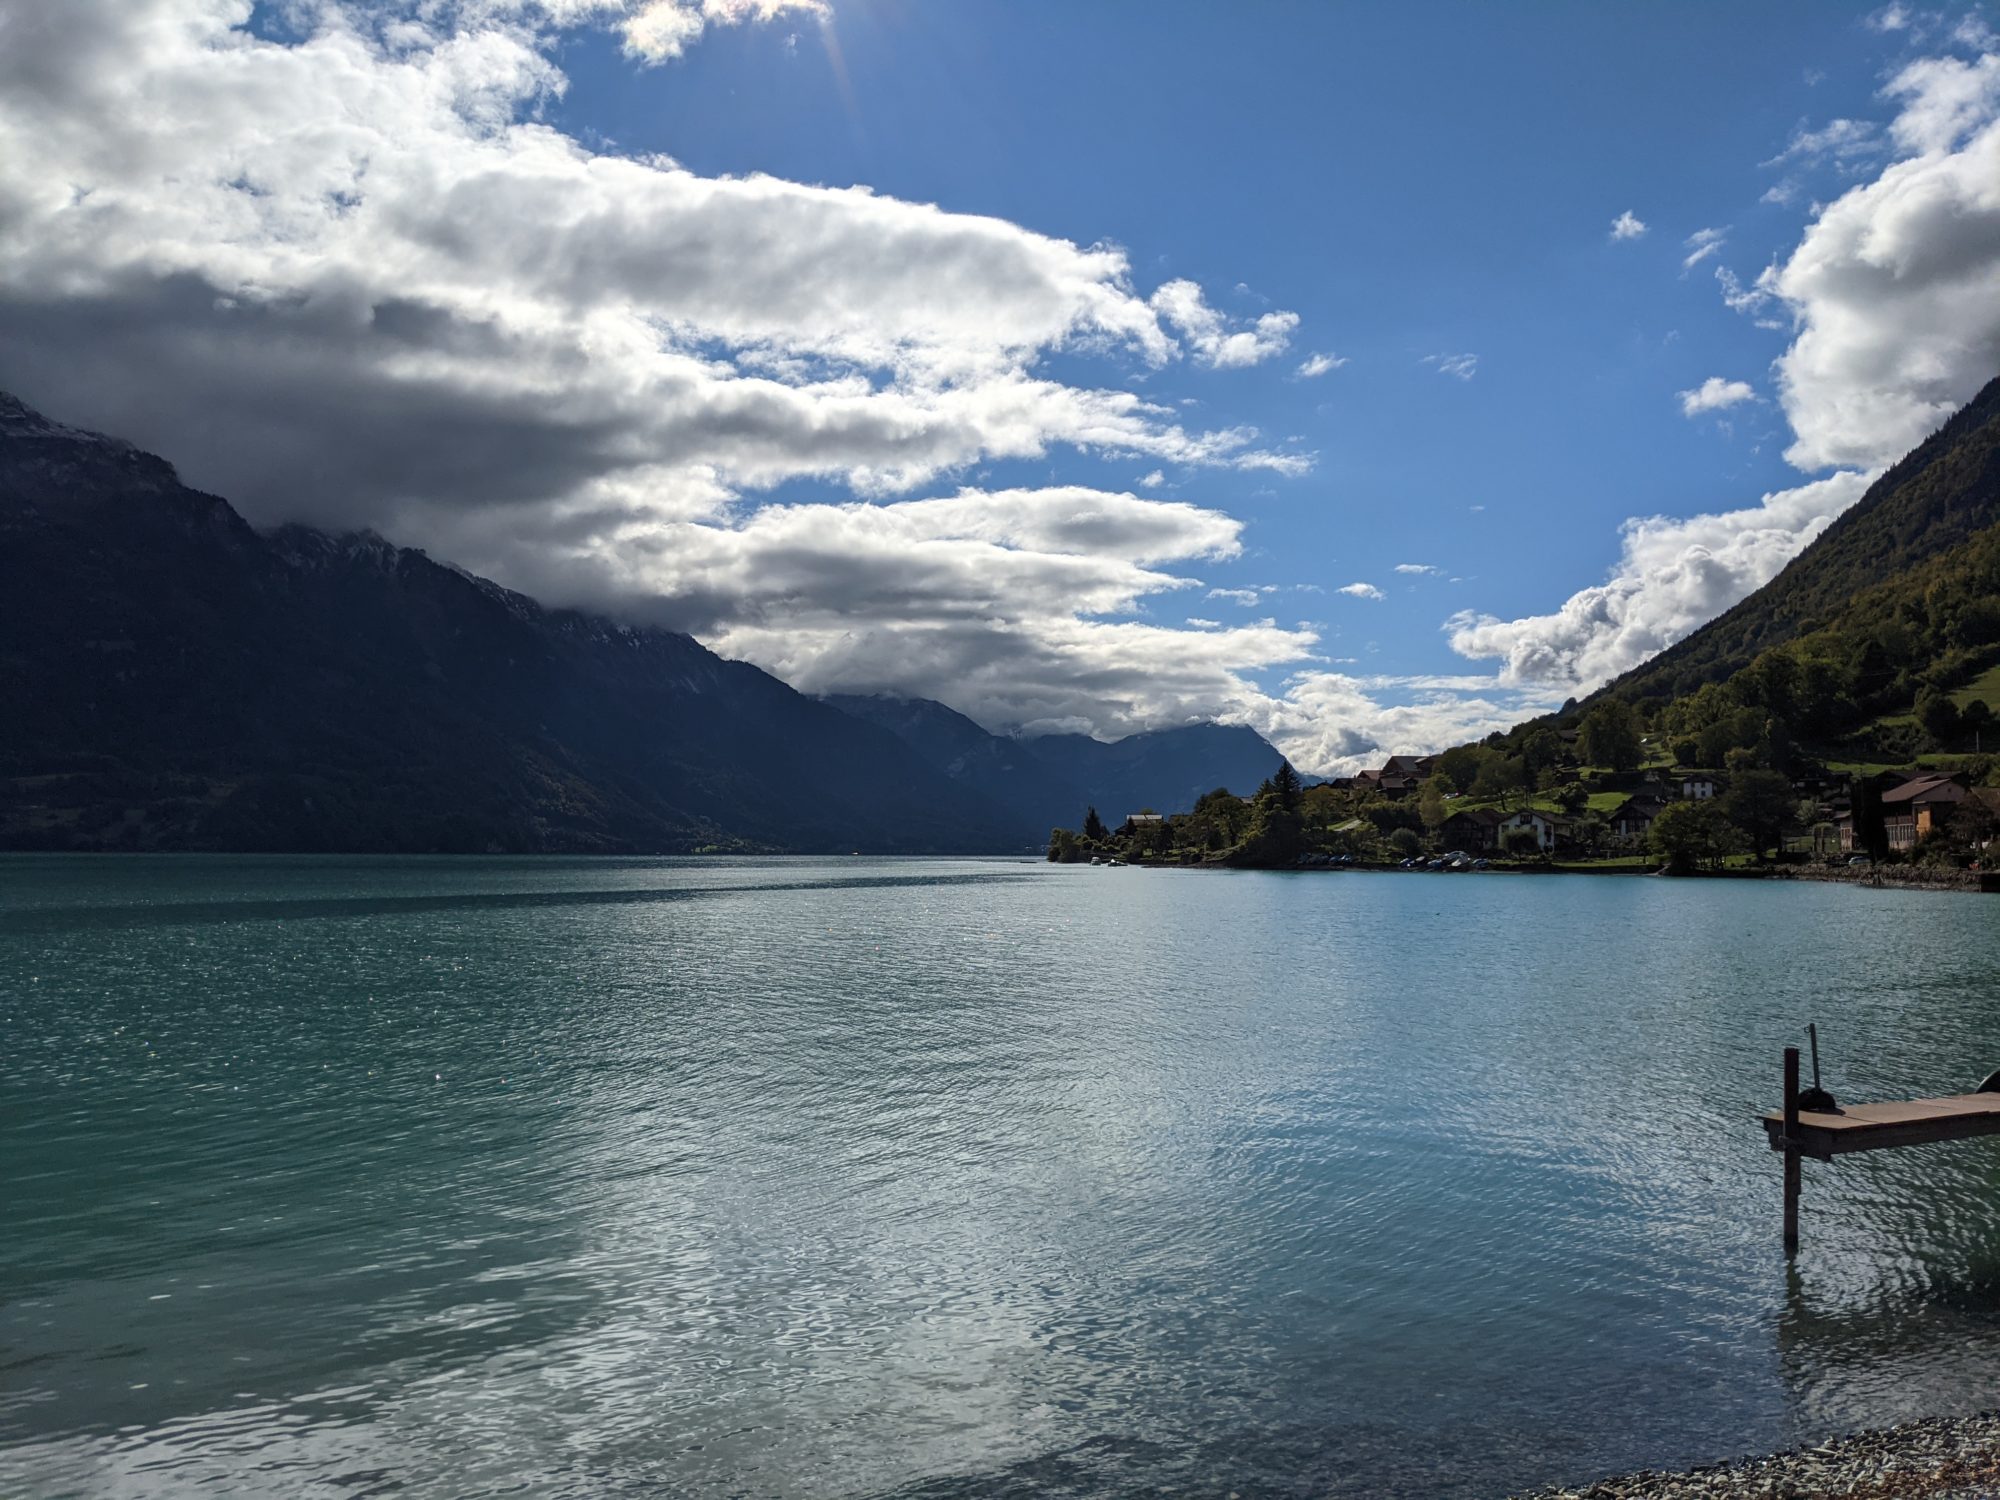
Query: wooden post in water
(1791, 1151)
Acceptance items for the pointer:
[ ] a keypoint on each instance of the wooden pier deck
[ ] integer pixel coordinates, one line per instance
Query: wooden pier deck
(1824, 1134)
(1877, 1127)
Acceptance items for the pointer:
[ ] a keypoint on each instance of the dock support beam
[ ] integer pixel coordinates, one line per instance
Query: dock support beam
(1791, 1151)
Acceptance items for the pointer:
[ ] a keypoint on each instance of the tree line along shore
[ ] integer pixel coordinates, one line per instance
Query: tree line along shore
(1605, 791)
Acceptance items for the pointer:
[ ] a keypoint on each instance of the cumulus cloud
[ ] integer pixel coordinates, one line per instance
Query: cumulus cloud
(1672, 576)
(1316, 365)
(1417, 568)
(1702, 244)
(1895, 287)
(1337, 723)
(1894, 290)
(1627, 226)
(1209, 336)
(1359, 591)
(1715, 394)
(1463, 366)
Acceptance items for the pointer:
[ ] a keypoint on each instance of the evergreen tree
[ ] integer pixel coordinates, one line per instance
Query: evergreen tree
(1093, 827)
(1284, 784)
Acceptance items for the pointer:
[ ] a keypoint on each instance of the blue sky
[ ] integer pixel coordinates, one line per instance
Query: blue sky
(628, 344)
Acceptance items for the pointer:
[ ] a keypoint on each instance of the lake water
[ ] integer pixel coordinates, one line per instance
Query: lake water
(959, 1178)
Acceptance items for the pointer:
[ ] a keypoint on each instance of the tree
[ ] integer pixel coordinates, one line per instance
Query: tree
(1690, 836)
(1590, 831)
(1572, 797)
(1685, 750)
(1459, 767)
(1093, 826)
(1520, 843)
(1939, 716)
(1404, 841)
(1540, 751)
(1502, 777)
(1275, 835)
(1760, 803)
(1285, 783)
(1610, 736)
(1431, 805)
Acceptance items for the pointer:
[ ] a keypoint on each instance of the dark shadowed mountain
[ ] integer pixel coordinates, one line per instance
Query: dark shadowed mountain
(1942, 493)
(172, 679)
(1049, 781)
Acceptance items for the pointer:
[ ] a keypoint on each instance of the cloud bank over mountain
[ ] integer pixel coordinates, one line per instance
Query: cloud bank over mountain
(332, 258)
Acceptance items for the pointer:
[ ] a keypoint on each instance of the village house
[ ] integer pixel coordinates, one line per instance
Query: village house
(1474, 828)
(1633, 818)
(1699, 788)
(1548, 829)
(1912, 811)
(1399, 776)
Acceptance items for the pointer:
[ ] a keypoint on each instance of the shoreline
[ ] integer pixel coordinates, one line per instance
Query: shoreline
(1930, 1458)
(1878, 877)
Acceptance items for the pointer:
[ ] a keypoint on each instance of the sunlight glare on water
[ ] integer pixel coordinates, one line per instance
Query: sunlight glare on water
(854, 1177)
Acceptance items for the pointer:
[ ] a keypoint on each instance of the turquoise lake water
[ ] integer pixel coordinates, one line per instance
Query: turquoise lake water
(829, 1178)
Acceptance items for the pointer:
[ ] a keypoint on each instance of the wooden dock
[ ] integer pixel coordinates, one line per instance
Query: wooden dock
(1800, 1133)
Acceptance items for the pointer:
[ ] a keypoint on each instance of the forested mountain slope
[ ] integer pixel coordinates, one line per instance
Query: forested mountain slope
(1937, 497)
(172, 679)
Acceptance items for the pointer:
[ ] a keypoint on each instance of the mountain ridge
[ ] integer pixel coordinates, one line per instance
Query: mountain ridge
(177, 679)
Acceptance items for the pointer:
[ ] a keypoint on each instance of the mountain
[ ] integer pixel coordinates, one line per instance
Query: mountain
(172, 679)
(1048, 781)
(1163, 769)
(1934, 499)
(1004, 770)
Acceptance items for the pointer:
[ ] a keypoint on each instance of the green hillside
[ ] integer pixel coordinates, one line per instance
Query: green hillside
(1942, 494)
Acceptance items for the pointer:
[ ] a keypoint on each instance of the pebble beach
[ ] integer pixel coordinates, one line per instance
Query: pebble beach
(1932, 1459)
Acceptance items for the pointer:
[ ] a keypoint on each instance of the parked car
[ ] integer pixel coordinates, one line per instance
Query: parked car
(1482, 864)
(1859, 861)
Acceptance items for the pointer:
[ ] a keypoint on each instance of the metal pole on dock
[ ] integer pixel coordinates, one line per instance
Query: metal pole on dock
(1791, 1151)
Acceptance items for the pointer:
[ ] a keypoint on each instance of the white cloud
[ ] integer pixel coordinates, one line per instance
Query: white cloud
(1200, 624)
(1627, 226)
(1972, 32)
(1846, 142)
(1738, 297)
(1702, 244)
(1152, 480)
(1891, 17)
(1244, 597)
(1336, 723)
(658, 30)
(1360, 591)
(1208, 334)
(1715, 394)
(1673, 575)
(1315, 365)
(1464, 366)
(1896, 285)
(1417, 568)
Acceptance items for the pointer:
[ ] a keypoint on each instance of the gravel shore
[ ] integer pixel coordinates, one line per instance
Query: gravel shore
(1934, 1459)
